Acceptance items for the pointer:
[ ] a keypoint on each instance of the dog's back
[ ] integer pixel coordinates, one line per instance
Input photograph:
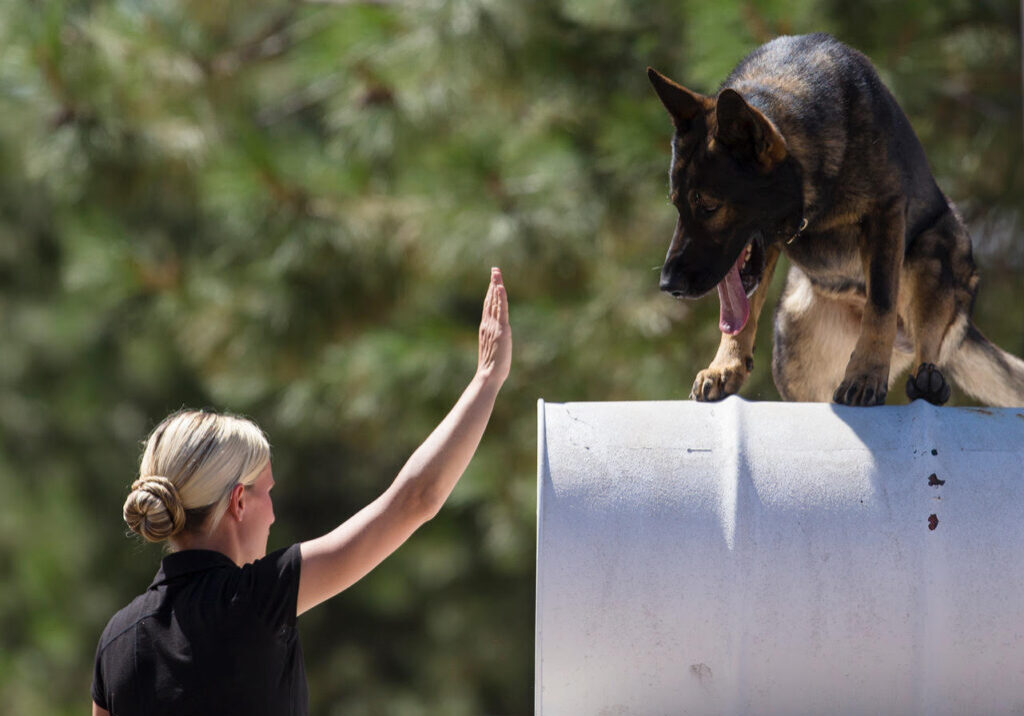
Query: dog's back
(843, 124)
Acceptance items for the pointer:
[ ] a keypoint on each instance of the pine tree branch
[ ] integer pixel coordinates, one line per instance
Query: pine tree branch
(272, 41)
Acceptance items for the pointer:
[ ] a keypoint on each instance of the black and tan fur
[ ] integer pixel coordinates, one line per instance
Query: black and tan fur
(805, 152)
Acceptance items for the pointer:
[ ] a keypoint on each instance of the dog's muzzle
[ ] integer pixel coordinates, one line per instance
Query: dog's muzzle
(681, 282)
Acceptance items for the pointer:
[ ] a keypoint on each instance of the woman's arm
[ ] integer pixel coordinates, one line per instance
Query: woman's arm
(337, 560)
(98, 711)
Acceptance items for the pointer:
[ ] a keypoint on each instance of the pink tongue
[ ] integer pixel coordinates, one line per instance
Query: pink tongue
(735, 309)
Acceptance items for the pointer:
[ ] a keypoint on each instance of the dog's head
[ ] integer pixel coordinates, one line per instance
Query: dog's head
(737, 190)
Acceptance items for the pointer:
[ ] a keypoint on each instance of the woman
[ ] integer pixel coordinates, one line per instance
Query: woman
(215, 632)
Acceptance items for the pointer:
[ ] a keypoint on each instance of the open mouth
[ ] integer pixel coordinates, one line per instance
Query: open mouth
(738, 285)
(752, 267)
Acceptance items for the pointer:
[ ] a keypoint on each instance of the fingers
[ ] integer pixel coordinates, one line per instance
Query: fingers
(500, 298)
(496, 300)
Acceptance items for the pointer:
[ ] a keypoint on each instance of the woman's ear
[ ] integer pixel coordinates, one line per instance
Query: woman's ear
(236, 503)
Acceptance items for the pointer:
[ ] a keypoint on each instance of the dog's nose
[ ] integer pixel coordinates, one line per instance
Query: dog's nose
(674, 292)
(682, 284)
(673, 284)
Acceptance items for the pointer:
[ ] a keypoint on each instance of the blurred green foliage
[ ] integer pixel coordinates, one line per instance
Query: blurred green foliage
(288, 210)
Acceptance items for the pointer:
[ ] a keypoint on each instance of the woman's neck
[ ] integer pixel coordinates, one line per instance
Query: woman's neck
(219, 540)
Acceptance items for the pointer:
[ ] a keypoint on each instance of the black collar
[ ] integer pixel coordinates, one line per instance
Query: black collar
(188, 561)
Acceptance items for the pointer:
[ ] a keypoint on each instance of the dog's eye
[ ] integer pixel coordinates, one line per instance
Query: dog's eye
(705, 205)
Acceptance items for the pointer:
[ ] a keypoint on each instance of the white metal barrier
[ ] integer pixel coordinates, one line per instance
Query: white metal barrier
(779, 558)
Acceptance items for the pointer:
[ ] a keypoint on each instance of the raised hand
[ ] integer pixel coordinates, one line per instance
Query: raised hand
(495, 352)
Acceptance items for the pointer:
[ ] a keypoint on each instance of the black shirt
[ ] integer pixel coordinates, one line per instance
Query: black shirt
(207, 637)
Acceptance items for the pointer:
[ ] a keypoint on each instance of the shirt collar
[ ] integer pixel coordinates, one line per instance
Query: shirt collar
(189, 561)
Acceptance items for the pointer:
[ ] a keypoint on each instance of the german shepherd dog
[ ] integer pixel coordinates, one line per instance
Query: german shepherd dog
(805, 152)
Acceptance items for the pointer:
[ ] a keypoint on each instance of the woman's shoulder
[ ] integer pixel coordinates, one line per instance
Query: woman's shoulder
(126, 618)
(275, 566)
(270, 585)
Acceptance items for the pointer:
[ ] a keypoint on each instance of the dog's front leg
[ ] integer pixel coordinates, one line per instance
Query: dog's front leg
(866, 381)
(735, 358)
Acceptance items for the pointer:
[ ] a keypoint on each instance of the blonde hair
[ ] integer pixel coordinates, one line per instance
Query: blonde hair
(191, 463)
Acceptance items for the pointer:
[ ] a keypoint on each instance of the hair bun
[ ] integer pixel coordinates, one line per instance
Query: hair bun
(154, 508)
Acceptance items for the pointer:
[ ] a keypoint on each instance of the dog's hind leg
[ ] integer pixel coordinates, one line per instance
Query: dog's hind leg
(936, 292)
(814, 337)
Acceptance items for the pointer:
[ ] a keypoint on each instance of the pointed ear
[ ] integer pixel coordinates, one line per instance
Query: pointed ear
(682, 104)
(746, 132)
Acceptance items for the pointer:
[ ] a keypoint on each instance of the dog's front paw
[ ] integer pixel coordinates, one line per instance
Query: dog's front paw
(716, 383)
(929, 384)
(867, 389)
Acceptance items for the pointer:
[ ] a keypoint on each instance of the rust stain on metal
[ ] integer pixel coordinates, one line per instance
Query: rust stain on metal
(702, 672)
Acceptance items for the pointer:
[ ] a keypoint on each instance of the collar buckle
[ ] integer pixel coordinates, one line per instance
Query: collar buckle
(794, 237)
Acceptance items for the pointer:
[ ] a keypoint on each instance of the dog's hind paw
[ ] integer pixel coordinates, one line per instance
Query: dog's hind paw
(929, 384)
